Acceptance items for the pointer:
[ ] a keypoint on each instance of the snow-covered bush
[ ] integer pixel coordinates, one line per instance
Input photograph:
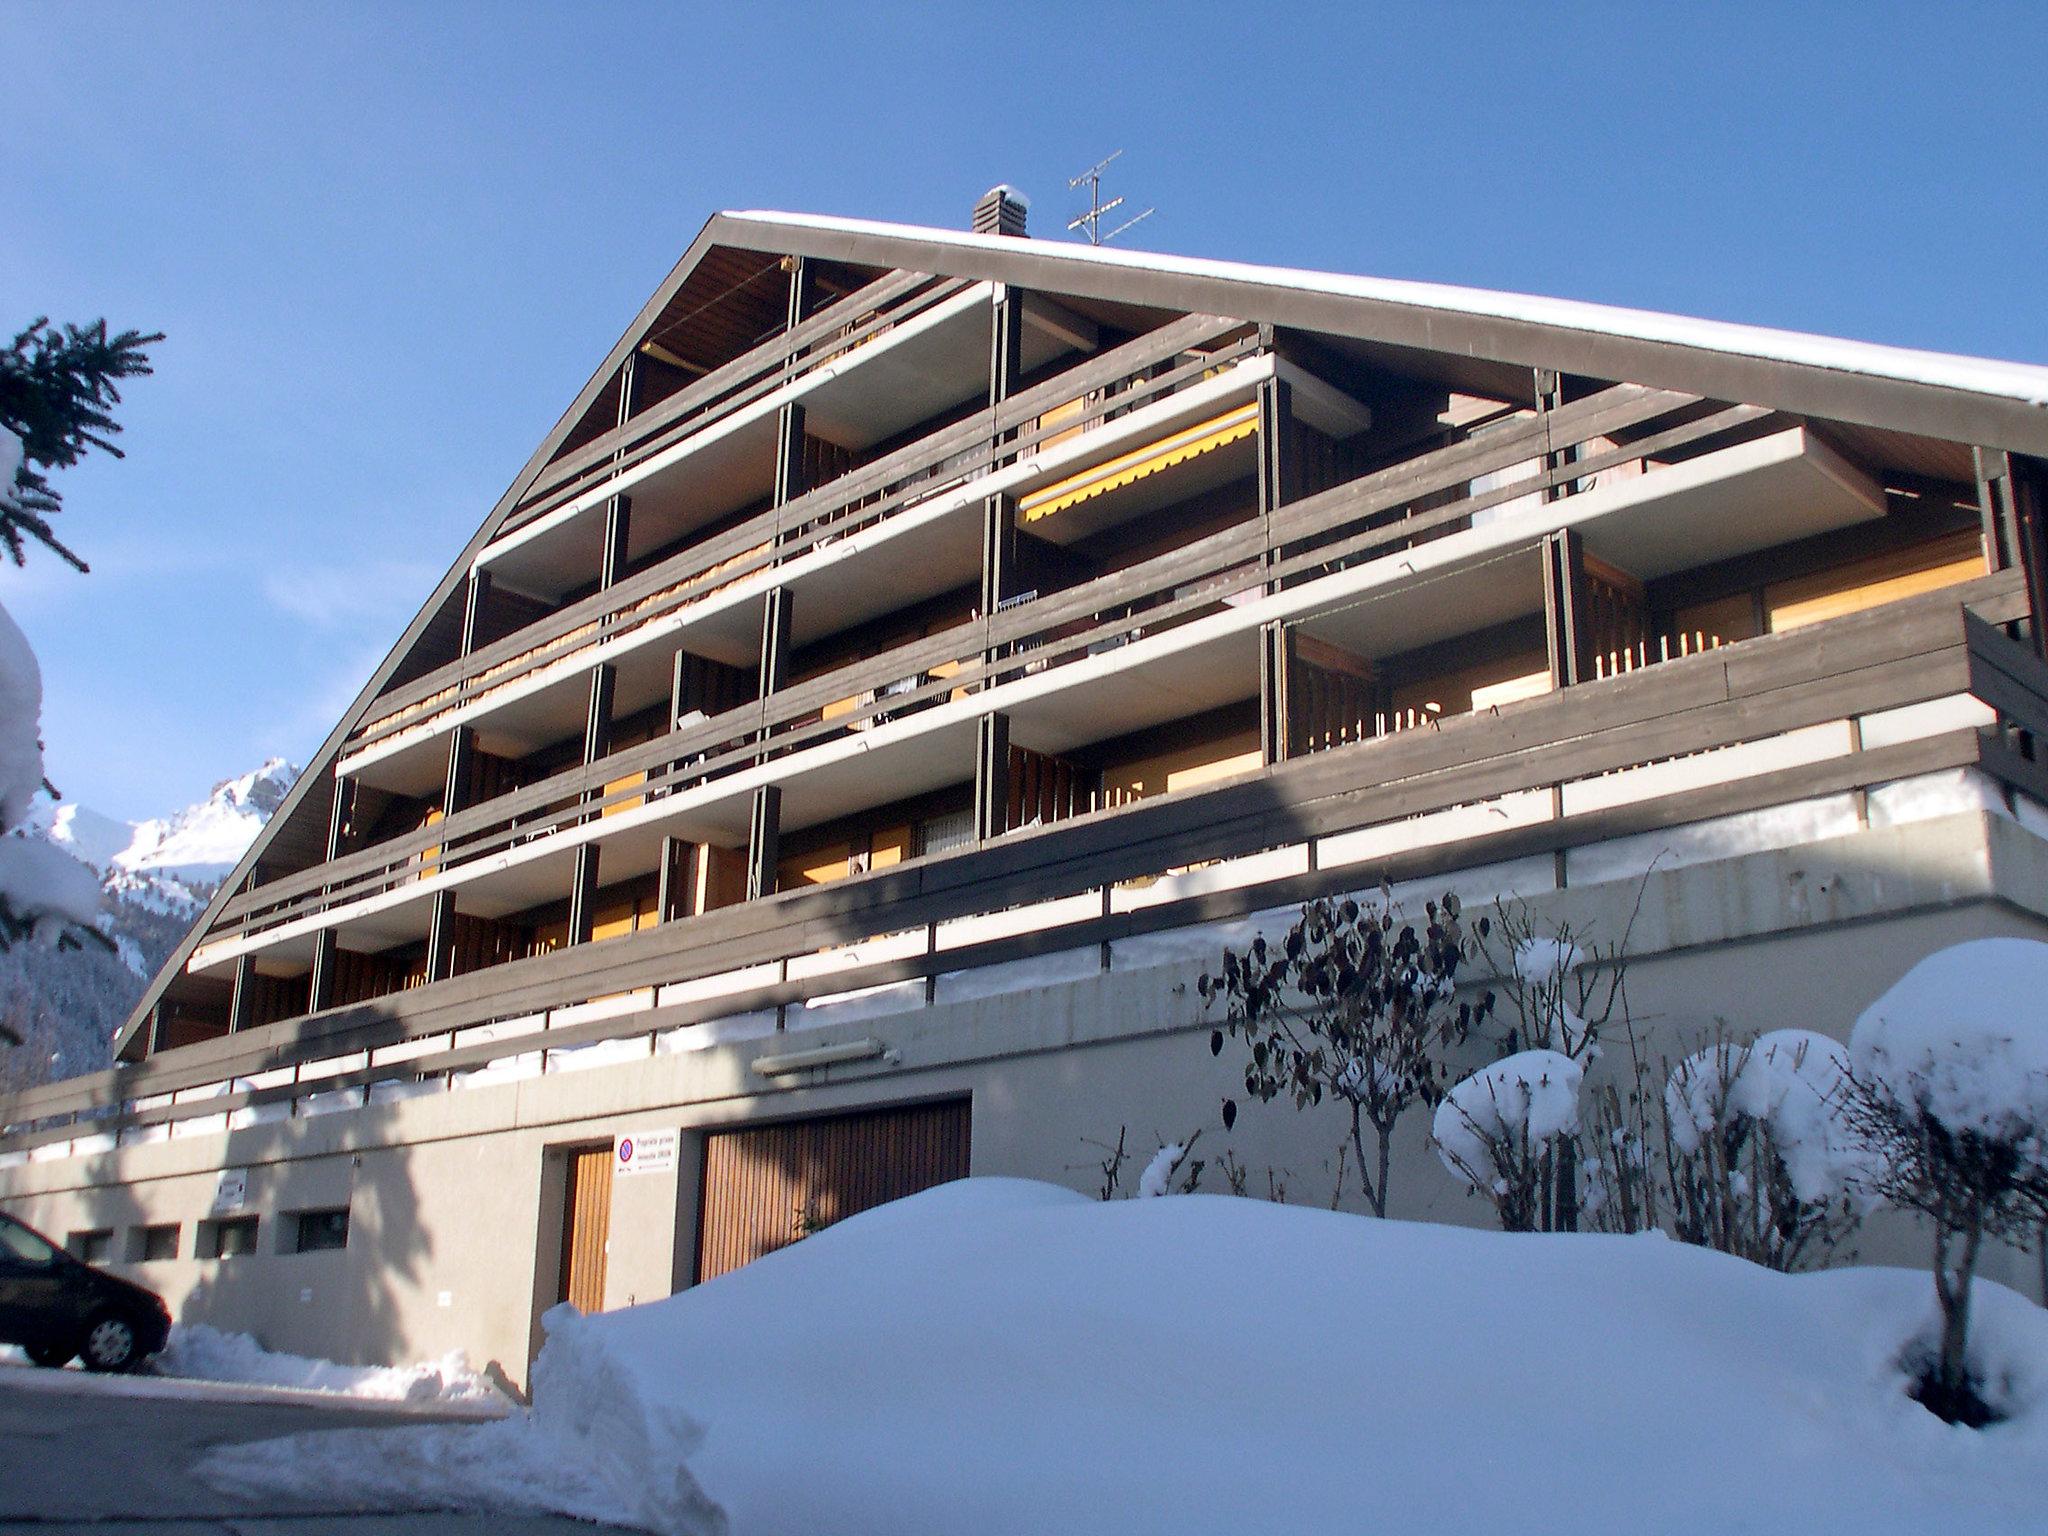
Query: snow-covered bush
(1500, 1130)
(1171, 1170)
(1761, 1159)
(1354, 1005)
(1949, 1089)
(1562, 991)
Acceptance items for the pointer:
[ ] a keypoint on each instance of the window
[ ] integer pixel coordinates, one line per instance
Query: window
(23, 1246)
(941, 834)
(232, 1238)
(157, 1243)
(320, 1231)
(95, 1246)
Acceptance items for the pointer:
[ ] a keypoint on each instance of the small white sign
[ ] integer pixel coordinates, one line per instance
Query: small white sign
(646, 1151)
(232, 1190)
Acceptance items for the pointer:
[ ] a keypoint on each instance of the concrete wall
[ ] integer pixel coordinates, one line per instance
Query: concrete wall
(456, 1195)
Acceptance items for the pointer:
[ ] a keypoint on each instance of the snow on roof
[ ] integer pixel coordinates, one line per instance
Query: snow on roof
(2024, 382)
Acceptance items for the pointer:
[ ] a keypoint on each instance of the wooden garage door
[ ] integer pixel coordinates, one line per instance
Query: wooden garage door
(586, 1227)
(766, 1186)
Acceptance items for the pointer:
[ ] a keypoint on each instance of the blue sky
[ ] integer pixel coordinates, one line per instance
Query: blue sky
(389, 243)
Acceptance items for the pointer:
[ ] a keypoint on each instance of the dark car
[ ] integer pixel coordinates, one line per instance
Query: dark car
(54, 1307)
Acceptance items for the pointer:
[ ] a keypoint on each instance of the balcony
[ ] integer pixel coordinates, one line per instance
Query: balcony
(1358, 570)
(839, 551)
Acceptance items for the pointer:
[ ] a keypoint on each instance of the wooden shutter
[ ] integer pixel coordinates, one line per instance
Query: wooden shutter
(767, 1185)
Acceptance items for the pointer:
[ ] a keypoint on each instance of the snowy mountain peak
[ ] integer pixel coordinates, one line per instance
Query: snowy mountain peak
(204, 841)
(153, 877)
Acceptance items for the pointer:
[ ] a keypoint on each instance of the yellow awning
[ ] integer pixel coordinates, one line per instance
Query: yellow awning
(1188, 443)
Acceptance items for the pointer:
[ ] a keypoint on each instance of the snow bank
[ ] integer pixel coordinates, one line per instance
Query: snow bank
(1960, 1036)
(199, 1352)
(998, 1356)
(1527, 1099)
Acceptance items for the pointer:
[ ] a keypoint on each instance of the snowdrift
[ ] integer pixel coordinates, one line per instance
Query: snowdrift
(198, 1352)
(1000, 1356)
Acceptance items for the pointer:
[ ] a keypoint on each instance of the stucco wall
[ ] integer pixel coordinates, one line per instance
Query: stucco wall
(455, 1196)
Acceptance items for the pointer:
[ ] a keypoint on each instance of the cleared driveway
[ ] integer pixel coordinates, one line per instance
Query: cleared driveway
(113, 1455)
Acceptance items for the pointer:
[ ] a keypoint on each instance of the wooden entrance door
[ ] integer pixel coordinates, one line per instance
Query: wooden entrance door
(586, 1227)
(766, 1186)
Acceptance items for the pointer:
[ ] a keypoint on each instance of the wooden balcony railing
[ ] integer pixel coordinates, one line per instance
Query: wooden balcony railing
(1149, 369)
(1055, 887)
(1317, 536)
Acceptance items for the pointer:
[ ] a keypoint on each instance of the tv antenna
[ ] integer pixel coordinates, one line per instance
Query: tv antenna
(1090, 223)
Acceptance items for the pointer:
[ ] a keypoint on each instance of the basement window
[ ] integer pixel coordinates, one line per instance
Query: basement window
(95, 1246)
(320, 1231)
(156, 1243)
(233, 1238)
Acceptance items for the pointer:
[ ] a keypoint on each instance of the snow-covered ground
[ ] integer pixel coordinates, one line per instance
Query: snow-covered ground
(1002, 1356)
(201, 1353)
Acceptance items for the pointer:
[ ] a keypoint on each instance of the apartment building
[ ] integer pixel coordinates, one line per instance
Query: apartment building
(915, 653)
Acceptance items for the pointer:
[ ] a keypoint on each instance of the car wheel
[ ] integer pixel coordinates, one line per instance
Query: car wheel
(51, 1354)
(111, 1344)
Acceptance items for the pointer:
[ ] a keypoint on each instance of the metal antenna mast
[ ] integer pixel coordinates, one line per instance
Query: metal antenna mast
(1090, 223)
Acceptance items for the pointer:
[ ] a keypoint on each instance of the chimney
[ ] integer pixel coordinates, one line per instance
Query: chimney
(1000, 211)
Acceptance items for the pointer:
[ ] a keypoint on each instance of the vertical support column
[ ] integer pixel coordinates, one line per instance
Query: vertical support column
(789, 457)
(597, 732)
(1276, 690)
(1564, 608)
(992, 777)
(153, 1029)
(455, 791)
(764, 822)
(2009, 503)
(678, 879)
(998, 558)
(679, 687)
(339, 814)
(764, 841)
(789, 421)
(473, 602)
(1276, 489)
(618, 523)
(241, 1004)
(998, 568)
(1549, 396)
